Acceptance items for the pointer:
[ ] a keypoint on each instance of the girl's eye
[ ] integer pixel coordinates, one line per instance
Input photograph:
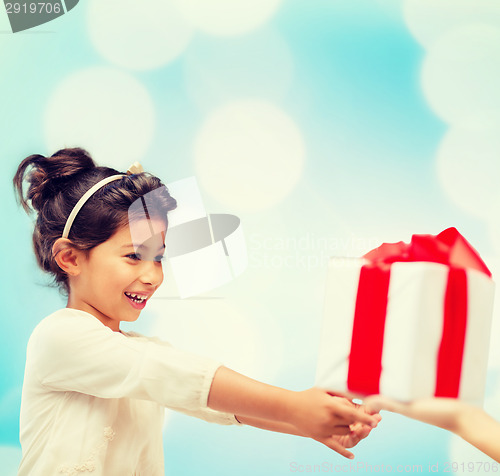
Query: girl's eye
(159, 258)
(134, 256)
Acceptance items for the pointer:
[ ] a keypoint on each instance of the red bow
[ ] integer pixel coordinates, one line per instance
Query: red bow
(448, 248)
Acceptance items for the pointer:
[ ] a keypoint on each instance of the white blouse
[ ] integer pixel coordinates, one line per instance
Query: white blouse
(93, 400)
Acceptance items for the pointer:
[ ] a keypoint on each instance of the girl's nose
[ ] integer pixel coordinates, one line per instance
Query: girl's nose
(152, 273)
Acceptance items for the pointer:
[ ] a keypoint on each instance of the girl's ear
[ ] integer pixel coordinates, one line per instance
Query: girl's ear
(67, 257)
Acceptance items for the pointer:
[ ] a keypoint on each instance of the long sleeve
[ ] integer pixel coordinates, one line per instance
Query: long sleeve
(73, 351)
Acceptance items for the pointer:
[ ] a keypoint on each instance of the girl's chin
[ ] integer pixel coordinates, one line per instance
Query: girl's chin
(130, 316)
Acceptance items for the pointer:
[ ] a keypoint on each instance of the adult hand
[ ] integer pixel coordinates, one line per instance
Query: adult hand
(442, 412)
(471, 423)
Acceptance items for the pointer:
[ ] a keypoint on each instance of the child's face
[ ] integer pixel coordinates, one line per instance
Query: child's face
(114, 283)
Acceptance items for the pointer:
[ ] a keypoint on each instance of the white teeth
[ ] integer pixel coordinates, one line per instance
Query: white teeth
(136, 297)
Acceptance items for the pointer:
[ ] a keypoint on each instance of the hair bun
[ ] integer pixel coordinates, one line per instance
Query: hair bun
(49, 175)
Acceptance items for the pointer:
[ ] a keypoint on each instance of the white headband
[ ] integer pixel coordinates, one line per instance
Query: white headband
(135, 168)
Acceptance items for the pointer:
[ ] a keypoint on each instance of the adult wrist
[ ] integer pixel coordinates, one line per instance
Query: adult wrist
(467, 416)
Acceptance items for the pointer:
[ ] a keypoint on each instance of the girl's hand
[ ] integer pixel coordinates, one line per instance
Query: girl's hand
(442, 412)
(358, 432)
(314, 413)
(332, 420)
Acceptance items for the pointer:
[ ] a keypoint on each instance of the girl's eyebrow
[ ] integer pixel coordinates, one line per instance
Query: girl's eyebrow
(131, 245)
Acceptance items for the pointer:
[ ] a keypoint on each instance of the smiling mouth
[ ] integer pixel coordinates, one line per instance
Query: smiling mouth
(136, 298)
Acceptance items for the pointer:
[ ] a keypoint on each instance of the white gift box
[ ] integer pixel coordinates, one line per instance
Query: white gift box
(412, 331)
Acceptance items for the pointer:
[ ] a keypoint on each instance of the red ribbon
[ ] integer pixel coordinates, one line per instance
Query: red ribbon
(365, 360)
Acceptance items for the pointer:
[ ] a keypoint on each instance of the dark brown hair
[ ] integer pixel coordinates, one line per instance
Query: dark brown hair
(56, 183)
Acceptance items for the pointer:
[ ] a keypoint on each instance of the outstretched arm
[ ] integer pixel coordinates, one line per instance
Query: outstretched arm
(482, 431)
(471, 423)
(357, 433)
(313, 413)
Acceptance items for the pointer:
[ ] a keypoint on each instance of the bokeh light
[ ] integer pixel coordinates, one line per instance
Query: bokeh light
(217, 70)
(228, 17)
(249, 155)
(106, 110)
(461, 73)
(138, 35)
(429, 19)
(468, 166)
(216, 328)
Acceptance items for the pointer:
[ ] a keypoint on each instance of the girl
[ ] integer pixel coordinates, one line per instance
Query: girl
(93, 396)
(471, 423)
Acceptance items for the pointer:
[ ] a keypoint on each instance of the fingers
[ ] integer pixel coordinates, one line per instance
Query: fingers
(341, 430)
(360, 431)
(354, 430)
(356, 411)
(370, 411)
(347, 395)
(336, 446)
(352, 414)
(376, 403)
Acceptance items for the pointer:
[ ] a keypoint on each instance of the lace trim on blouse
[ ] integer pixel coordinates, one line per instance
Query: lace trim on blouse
(90, 464)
